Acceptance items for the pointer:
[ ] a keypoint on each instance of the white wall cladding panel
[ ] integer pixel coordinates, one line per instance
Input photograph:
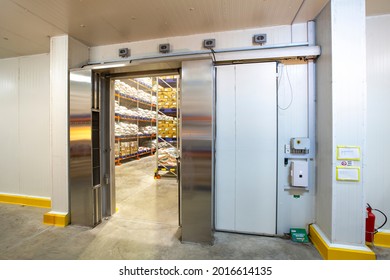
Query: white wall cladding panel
(293, 122)
(376, 181)
(24, 122)
(349, 109)
(299, 33)
(78, 53)
(34, 126)
(224, 40)
(9, 126)
(324, 124)
(59, 122)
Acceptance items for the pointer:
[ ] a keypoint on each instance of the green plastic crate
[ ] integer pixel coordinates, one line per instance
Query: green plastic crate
(299, 235)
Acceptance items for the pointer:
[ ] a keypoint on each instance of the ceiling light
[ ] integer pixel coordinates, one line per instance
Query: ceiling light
(109, 66)
(82, 25)
(79, 78)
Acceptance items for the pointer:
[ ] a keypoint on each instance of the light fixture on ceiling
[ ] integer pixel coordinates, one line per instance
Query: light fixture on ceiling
(108, 65)
(82, 25)
(79, 78)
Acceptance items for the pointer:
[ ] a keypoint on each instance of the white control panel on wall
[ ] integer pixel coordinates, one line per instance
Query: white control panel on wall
(300, 145)
(299, 173)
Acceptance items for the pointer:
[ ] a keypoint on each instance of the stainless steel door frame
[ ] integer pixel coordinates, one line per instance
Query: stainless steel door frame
(81, 195)
(197, 134)
(108, 139)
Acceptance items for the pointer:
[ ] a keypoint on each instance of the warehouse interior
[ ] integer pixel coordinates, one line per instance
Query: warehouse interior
(213, 128)
(147, 145)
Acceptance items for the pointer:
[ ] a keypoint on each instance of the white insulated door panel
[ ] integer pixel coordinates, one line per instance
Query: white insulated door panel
(245, 169)
(256, 148)
(225, 154)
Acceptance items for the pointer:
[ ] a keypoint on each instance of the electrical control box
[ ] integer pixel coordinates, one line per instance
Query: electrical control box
(300, 145)
(299, 173)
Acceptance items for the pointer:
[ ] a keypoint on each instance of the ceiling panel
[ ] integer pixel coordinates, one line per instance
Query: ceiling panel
(377, 7)
(23, 32)
(28, 24)
(310, 10)
(20, 45)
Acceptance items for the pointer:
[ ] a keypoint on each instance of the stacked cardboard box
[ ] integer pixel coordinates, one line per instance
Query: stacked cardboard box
(116, 150)
(167, 98)
(167, 129)
(128, 148)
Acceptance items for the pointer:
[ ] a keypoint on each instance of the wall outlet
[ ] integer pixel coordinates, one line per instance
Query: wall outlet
(287, 149)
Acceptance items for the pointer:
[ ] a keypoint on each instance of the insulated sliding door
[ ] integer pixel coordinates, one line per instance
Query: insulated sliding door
(246, 142)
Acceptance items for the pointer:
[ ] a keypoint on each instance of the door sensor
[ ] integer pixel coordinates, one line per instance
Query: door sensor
(209, 43)
(124, 52)
(260, 38)
(164, 48)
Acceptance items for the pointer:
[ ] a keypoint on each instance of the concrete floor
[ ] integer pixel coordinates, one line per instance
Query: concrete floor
(145, 227)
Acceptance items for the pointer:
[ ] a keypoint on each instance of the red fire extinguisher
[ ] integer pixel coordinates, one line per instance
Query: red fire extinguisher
(370, 224)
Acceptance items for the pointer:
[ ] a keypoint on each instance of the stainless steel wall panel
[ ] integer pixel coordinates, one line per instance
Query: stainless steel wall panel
(197, 151)
(80, 134)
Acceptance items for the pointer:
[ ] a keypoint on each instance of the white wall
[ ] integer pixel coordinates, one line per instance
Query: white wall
(341, 78)
(25, 126)
(376, 180)
(293, 122)
(224, 40)
(324, 123)
(78, 53)
(349, 114)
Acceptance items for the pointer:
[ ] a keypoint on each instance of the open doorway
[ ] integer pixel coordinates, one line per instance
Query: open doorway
(147, 146)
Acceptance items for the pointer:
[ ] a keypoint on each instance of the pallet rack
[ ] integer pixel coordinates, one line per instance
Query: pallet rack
(132, 102)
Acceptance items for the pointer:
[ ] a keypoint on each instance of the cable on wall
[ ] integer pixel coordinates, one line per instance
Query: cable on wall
(291, 90)
(213, 54)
